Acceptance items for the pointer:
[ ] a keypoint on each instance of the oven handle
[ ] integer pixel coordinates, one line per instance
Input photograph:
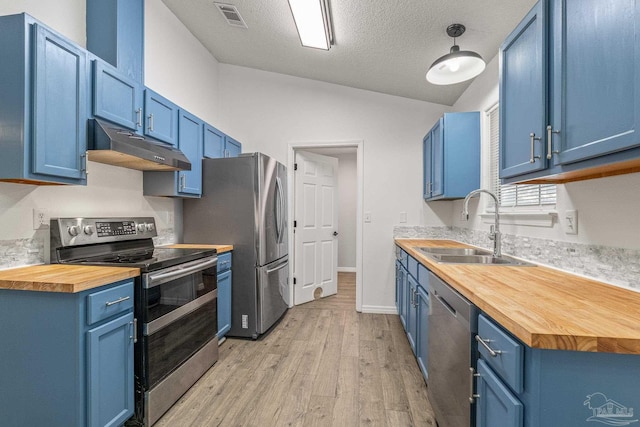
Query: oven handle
(172, 316)
(155, 279)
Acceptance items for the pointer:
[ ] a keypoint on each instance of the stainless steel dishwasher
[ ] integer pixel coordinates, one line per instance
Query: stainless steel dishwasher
(452, 323)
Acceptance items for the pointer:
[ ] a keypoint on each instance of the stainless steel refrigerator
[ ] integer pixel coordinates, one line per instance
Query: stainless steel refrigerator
(244, 203)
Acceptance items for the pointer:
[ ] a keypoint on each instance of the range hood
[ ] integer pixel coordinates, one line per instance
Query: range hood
(116, 146)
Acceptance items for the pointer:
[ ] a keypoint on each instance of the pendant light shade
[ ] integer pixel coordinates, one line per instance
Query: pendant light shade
(458, 65)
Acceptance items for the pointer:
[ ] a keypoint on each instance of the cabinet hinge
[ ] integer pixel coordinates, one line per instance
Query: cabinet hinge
(294, 281)
(295, 166)
(295, 224)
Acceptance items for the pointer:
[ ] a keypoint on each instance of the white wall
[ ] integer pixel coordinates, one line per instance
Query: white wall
(347, 198)
(607, 207)
(268, 111)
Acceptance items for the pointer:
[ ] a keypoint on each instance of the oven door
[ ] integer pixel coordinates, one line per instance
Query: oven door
(179, 315)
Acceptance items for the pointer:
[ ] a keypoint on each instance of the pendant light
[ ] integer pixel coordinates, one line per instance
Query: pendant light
(457, 65)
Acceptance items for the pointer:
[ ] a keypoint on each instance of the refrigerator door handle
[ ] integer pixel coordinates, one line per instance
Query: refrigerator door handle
(279, 211)
(279, 266)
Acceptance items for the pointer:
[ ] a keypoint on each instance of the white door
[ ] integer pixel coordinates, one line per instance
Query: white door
(316, 230)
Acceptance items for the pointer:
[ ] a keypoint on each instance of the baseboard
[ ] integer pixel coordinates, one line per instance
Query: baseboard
(379, 309)
(346, 269)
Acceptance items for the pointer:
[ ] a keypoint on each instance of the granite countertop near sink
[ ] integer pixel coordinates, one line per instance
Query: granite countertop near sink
(63, 277)
(219, 248)
(543, 307)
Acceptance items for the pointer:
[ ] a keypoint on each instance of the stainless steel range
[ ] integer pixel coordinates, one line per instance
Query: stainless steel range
(175, 302)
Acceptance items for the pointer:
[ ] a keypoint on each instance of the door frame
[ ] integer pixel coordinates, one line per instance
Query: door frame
(359, 146)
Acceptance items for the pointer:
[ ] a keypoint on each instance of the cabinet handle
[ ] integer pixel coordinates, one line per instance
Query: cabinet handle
(150, 122)
(534, 138)
(472, 396)
(139, 117)
(183, 182)
(485, 344)
(134, 335)
(83, 168)
(550, 133)
(118, 301)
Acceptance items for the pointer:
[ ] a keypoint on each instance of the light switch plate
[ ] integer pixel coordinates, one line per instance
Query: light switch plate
(403, 217)
(571, 222)
(367, 217)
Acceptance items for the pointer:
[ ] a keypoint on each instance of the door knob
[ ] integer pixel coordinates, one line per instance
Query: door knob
(335, 233)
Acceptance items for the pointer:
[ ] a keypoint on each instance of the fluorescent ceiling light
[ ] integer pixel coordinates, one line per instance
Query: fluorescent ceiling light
(313, 22)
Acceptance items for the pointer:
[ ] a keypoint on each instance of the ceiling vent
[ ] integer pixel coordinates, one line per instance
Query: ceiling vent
(231, 14)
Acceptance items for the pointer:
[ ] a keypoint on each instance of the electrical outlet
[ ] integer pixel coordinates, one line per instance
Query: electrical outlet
(40, 218)
(403, 217)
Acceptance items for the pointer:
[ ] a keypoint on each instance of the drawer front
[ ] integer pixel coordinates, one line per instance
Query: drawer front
(224, 262)
(412, 267)
(109, 302)
(507, 361)
(403, 258)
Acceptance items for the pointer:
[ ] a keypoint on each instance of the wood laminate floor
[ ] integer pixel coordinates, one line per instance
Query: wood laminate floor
(324, 364)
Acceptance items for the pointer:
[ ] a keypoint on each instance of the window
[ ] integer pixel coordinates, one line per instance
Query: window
(514, 195)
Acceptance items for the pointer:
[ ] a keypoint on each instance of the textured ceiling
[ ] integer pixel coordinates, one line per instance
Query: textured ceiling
(381, 45)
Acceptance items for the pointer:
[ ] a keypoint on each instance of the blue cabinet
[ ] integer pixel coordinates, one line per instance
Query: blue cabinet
(523, 386)
(115, 33)
(116, 97)
(422, 316)
(224, 294)
(496, 405)
(412, 312)
(218, 145)
(161, 117)
(447, 173)
(569, 85)
(43, 92)
(182, 183)
(69, 361)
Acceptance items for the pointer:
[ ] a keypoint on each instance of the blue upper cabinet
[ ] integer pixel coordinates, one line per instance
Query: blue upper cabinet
(218, 145)
(570, 91)
(43, 109)
(523, 96)
(451, 155)
(161, 117)
(116, 97)
(213, 142)
(190, 143)
(183, 183)
(595, 78)
(232, 147)
(115, 33)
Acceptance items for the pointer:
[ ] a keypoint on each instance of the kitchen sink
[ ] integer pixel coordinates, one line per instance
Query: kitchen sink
(453, 251)
(479, 259)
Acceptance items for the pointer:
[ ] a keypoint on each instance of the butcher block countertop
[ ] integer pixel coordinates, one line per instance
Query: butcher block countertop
(62, 277)
(543, 307)
(219, 248)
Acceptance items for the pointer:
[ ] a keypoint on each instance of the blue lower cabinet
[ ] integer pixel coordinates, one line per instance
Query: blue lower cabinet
(110, 372)
(422, 307)
(531, 387)
(60, 366)
(401, 286)
(412, 312)
(224, 293)
(496, 405)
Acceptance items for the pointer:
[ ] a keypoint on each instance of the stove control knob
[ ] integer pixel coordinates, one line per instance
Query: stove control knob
(74, 230)
(150, 227)
(141, 227)
(88, 230)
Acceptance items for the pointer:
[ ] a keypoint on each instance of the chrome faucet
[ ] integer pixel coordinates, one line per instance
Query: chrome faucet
(494, 234)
